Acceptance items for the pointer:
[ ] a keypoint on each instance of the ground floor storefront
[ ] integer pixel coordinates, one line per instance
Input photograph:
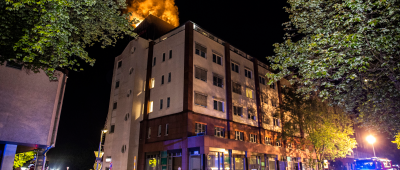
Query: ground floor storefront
(213, 153)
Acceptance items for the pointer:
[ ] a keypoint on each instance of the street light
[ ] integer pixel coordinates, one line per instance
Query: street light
(101, 139)
(371, 139)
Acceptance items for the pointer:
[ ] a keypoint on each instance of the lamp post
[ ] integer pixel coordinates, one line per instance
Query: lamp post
(101, 139)
(371, 139)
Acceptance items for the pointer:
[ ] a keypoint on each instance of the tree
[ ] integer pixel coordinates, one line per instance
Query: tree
(327, 130)
(21, 158)
(53, 34)
(347, 51)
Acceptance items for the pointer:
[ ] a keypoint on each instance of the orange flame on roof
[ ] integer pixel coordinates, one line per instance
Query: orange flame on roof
(163, 9)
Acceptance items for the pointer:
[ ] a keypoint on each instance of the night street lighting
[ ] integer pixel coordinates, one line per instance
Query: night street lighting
(371, 139)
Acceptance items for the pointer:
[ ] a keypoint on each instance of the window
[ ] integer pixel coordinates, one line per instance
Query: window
(251, 113)
(112, 128)
(166, 129)
(169, 77)
(235, 67)
(13, 64)
(162, 79)
(159, 131)
(238, 110)
(161, 104)
(201, 50)
(276, 121)
(217, 59)
(150, 106)
(154, 61)
(272, 86)
(168, 101)
(278, 143)
(201, 74)
(119, 64)
(200, 99)
(249, 93)
(152, 82)
(268, 141)
(170, 54)
(253, 138)
(163, 57)
(247, 73)
(264, 98)
(236, 88)
(117, 84)
(219, 132)
(217, 80)
(200, 129)
(262, 79)
(273, 102)
(289, 145)
(218, 105)
(115, 105)
(149, 133)
(239, 135)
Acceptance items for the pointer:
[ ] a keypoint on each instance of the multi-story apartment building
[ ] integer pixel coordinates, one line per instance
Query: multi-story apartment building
(184, 99)
(30, 108)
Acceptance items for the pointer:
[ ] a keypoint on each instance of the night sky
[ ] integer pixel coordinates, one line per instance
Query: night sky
(249, 26)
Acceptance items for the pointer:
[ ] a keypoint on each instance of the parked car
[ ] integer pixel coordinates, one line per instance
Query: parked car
(373, 163)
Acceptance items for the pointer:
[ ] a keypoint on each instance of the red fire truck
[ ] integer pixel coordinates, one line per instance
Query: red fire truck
(373, 163)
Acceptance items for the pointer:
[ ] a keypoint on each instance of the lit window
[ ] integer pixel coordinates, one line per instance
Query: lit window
(239, 135)
(219, 132)
(237, 110)
(200, 129)
(150, 106)
(249, 93)
(235, 67)
(152, 82)
(247, 73)
(268, 141)
(217, 59)
(217, 80)
(201, 50)
(253, 138)
(218, 105)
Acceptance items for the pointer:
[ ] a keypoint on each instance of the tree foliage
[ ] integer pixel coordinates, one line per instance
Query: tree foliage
(21, 158)
(346, 51)
(327, 130)
(52, 34)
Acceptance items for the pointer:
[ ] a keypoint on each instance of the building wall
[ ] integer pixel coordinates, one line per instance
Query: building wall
(29, 104)
(207, 88)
